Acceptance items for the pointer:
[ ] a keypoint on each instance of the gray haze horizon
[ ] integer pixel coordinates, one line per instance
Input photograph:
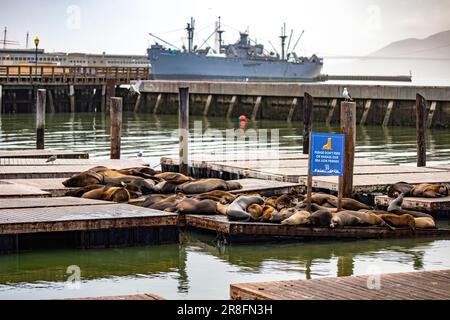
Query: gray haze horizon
(347, 27)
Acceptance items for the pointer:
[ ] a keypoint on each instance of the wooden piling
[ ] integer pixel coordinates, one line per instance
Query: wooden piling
(157, 104)
(103, 101)
(207, 105)
(431, 114)
(256, 108)
(331, 111)
(137, 104)
(72, 98)
(110, 92)
(307, 121)
(367, 107)
(116, 126)
(183, 128)
(50, 101)
(40, 118)
(348, 127)
(387, 116)
(292, 109)
(231, 106)
(421, 109)
(1, 100)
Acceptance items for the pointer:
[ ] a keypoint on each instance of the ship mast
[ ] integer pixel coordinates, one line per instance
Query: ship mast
(220, 32)
(190, 29)
(283, 38)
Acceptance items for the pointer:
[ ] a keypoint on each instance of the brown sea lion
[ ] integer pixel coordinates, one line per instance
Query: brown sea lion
(349, 204)
(116, 194)
(285, 201)
(199, 207)
(95, 194)
(316, 207)
(207, 185)
(98, 169)
(271, 201)
(321, 218)
(78, 193)
(143, 172)
(370, 218)
(267, 213)
(168, 203)
(255, 211)
(218, 195)
(283, 214)
(429, 191)
(222, 208)
(322, 198)
(238, 209)
(174, 177)
(396, 208)
(300, 218)
(405, 220)
(398, 188)
(144, 186)
(425, 223)
(165, 187)
(343, 218)
(83, 179)
(151, 200)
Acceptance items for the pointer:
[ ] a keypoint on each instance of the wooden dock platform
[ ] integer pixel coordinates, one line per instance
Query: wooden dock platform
(369, 175)
(250, 231)
(86, 223)
(434, 206)
(425, 285)
(42, 154)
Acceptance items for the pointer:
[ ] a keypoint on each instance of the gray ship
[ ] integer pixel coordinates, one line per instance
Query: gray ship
(241, 61)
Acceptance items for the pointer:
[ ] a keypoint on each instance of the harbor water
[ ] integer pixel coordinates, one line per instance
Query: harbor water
(198, 267)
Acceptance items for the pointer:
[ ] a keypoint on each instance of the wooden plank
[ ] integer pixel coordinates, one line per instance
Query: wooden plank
(43, 154)
(69, 162)
(241, 229)
(418, 204)
(425, 285)
(76, 218)
(19, 203)
(9, 190)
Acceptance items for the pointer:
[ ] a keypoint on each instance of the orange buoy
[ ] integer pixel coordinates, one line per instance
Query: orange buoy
(242, 118)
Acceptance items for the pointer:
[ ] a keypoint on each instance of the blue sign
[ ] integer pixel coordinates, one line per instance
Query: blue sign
(327, 154)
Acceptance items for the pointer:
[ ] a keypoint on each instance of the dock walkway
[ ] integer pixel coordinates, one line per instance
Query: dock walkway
(426, 285)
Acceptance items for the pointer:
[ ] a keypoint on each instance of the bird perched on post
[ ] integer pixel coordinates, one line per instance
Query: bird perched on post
(347, 95)
(51, 159)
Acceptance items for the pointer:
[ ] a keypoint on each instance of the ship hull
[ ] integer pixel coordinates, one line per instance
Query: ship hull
(191, 66)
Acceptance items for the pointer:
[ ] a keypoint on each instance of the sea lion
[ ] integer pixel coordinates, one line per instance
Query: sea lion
(218, 195)
(396, 208)
(321, 218)
(255, 211)
(169, 203)
(207, 185)
(349, 204)
(83, 179)
(300, 218)
(151, 200)
(370, 218)
(222, 208)
(322, 198)
(199, 207)
(316, 207)
(271, 201)
(143, 172)
(95, 194)
(267, 213)
(238, 209)
(279, 216)
(394, 220)
(425, 223)
(429, 191)
(144, 186)
(285, 201)
(165, 187)
(174, 177)
(78, 193)
(116, 194)
(343, 218)
(398, 188)
(98, 169)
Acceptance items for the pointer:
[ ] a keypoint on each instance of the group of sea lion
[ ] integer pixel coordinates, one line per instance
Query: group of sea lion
(102, 183)
(423, 190)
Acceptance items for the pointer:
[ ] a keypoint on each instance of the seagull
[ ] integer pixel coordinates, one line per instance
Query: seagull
(347, 95)
(51, 159)
(140, 154)
(135, 86)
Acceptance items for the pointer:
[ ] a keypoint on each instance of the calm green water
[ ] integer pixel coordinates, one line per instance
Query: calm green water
(198, 268)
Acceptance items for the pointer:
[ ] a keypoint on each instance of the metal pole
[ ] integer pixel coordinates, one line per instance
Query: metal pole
(183, 127)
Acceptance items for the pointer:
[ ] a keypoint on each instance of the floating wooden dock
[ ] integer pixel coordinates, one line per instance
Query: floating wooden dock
(230, 231)
(425, 285)
(42, 154)
(433, 206)
(82, 223)
(369, 175)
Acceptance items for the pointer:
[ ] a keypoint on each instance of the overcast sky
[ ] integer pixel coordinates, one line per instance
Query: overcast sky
(332, 27)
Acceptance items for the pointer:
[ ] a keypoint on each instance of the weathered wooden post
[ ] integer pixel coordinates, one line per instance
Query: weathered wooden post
(110, 92)
(72, 98)
(421, 111)
(307, 121)
(183, 127)
(116, 126)
(50, 101)
(1, 99)
(103, 101)
(348, 127)
(40, 118)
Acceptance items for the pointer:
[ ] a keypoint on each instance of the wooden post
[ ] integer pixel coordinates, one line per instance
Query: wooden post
(110, 92)
(331, 111)
(138, 103)
(292, 109)
(348, 127)
(72, 98)
(157, 104)
(387, 116)
(103, 101)
(256, 108)
(309, 183)
(307, 121)
(367, 107)
(116, 126)
(421, 109)
(40, 118)
(1, 99)
(183, 127)
(231, 106)
(431, 114)
(50, 101)
(207, 105)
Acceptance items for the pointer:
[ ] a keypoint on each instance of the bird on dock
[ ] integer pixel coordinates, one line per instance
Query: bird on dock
(134, 88)
(52, 159)
(347, 95)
